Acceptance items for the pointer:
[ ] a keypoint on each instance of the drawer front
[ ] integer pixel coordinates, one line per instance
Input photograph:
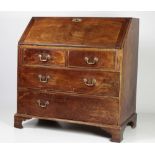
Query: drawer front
(68, 107)
(93, 59)
(73, 81)
(32, 56)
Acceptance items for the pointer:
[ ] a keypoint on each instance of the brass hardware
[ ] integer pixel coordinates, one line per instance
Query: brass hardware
(91, 61)
(42, 104)
(43, 78)
(76, 20)
(89, 82)
(44, 57)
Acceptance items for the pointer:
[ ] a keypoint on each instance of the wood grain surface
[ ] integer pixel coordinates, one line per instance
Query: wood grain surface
(79, 70)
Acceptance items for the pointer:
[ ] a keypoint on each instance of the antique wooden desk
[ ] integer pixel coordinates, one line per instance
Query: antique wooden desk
(79, 70)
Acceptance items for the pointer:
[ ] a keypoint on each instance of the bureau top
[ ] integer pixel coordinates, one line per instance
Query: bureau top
(76, 32)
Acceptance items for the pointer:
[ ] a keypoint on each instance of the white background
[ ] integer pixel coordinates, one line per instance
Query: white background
(12, 25)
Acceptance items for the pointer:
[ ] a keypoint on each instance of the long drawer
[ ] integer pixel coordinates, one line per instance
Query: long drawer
(94, 110)
(74, 81)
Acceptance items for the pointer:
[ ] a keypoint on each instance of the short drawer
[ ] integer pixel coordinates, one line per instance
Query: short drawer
(92, 59)
(32, 56)
(93, 110)
(74, 81)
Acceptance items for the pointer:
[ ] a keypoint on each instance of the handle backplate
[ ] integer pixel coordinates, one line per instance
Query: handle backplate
(44, 57)
(43, 78)
(89, 82)
(42, 104)
(91, 61)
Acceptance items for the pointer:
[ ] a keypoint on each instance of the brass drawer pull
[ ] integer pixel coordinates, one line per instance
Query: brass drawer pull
(43, 78)
(44, 57)
(89, 82)
(91, 61)
(77, 20)
(42, 104)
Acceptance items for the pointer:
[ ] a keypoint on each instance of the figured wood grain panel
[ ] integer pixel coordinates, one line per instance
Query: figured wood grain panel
(107, 83)
(89, 32)
(69, 107)
(30, 56)
(105, 59)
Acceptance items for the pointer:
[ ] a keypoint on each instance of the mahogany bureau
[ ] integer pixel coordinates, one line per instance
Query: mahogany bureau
(79, 70)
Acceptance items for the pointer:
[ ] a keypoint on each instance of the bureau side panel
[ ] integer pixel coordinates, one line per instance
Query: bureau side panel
(129, 72)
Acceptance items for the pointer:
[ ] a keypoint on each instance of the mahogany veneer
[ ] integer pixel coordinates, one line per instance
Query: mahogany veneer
(79, 70)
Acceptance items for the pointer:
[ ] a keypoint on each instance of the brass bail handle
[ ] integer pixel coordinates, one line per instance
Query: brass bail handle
(42, 104)
(89, 82)
(43, 78)
(91, 61)
(44, 57)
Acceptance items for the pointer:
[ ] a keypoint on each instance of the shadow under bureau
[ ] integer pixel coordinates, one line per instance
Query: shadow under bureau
(79, 70)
